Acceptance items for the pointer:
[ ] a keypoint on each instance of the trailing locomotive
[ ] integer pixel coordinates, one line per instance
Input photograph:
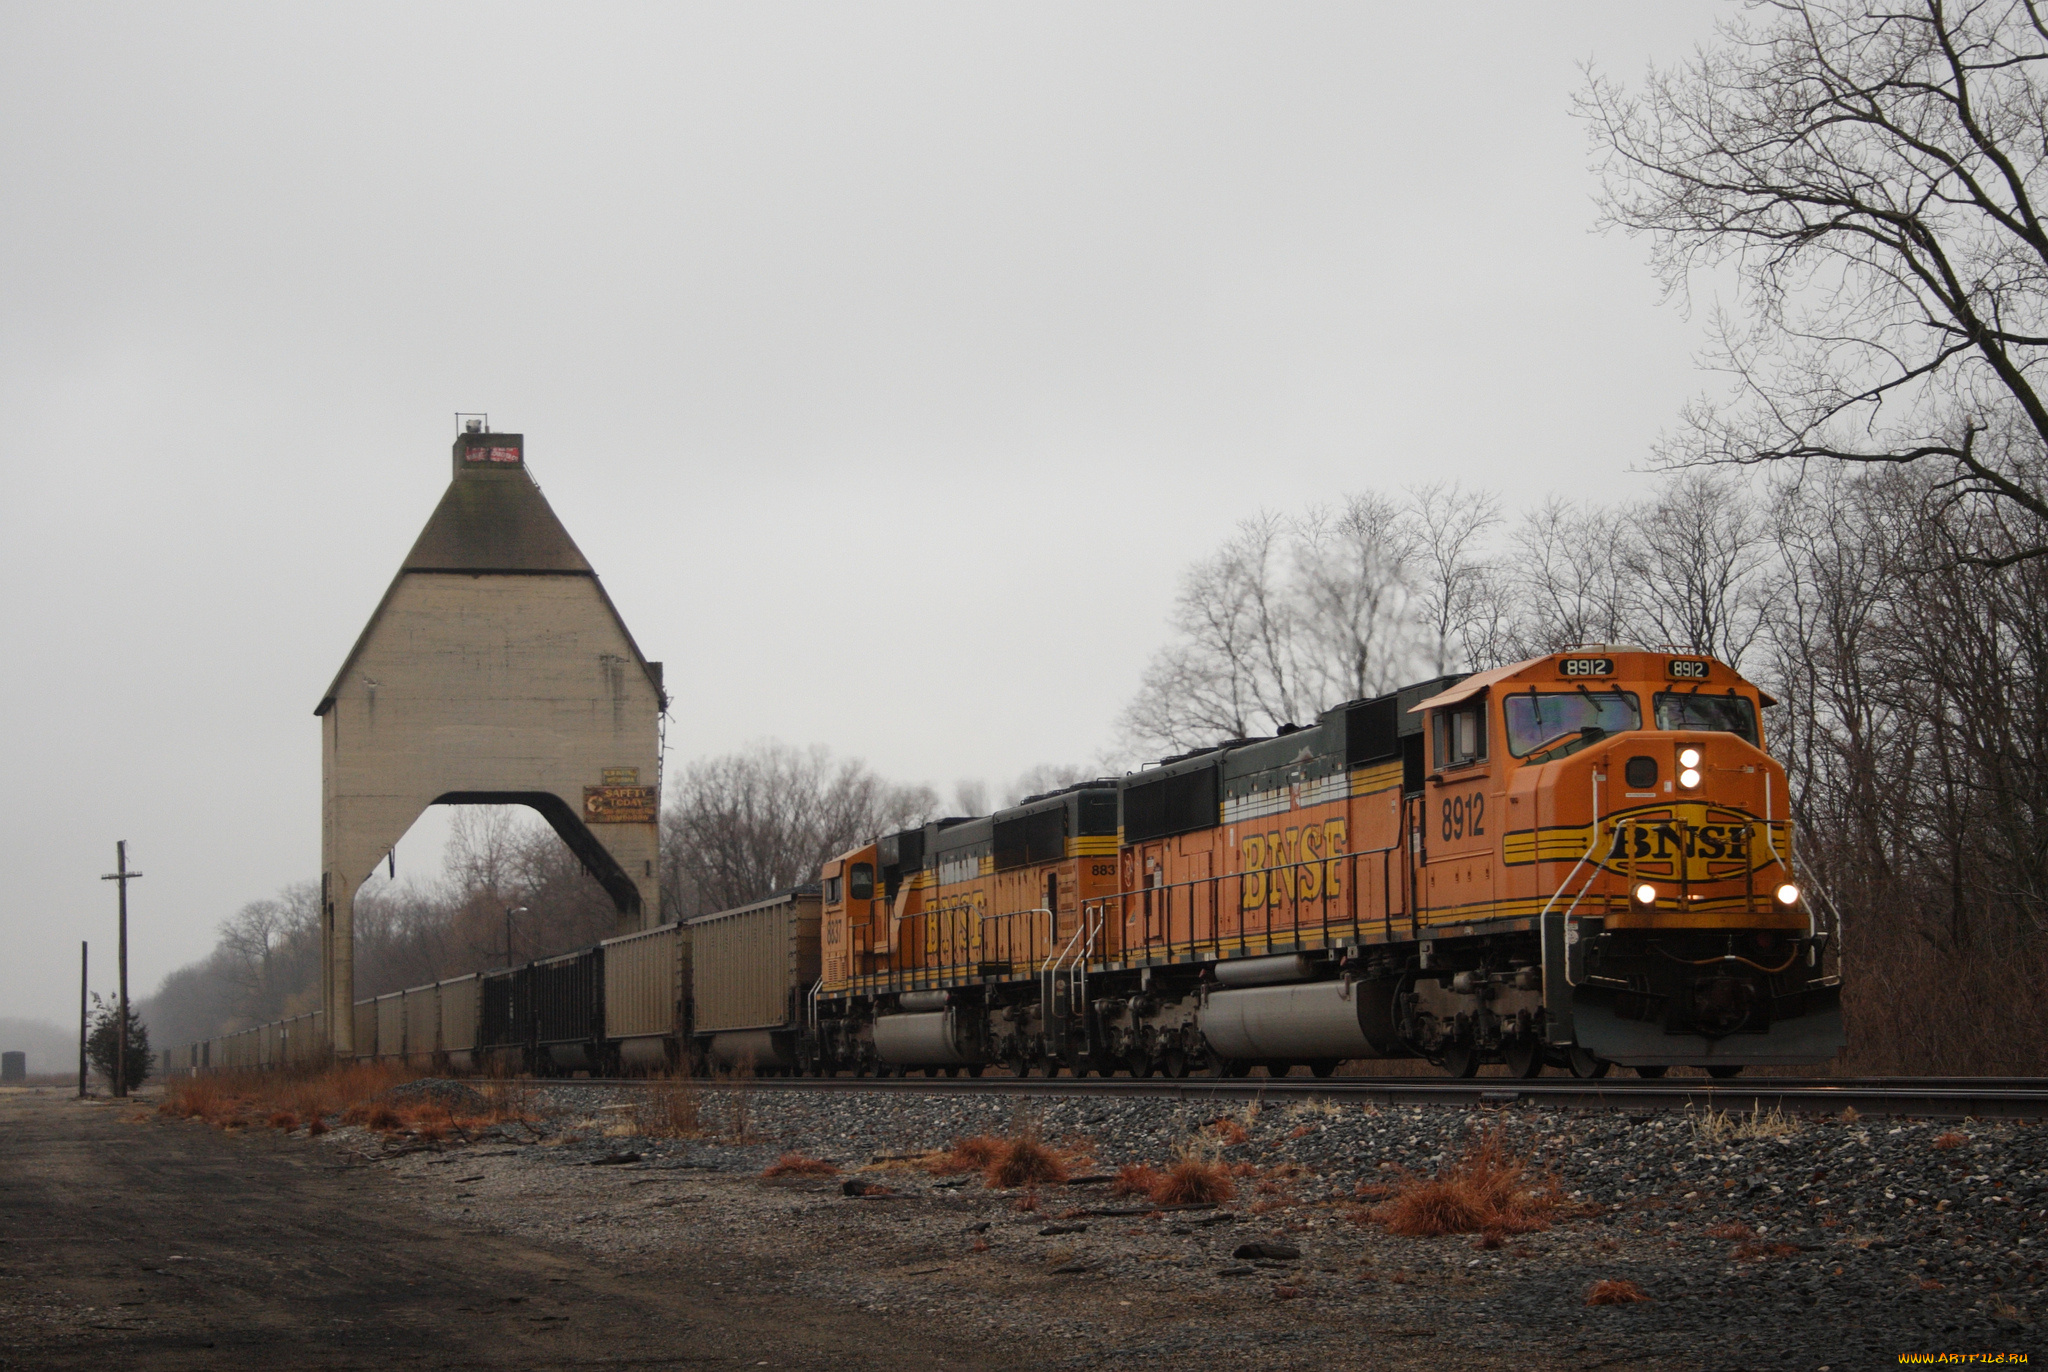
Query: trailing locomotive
(1578, 861)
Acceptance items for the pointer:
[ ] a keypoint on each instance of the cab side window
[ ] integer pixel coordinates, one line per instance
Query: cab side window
(1460, 735)
(860, 882)
(831, 890)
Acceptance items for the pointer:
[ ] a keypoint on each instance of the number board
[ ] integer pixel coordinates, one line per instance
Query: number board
(1586, 666)
(1684, 669)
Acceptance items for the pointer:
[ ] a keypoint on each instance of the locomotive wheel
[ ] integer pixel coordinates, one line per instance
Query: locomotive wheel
(953, 1071)
(1585, 1066)
(1141, 1065)
(1656, 1071)
(1461, 1060)
(1323, 1068)
(1721, 1071)
(1279, 1068)
(974, 1069)
(1525, 1057)
(931, 1072)
(1175, 1063)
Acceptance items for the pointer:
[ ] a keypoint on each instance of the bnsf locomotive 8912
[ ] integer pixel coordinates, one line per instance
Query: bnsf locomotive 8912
(1580, 860)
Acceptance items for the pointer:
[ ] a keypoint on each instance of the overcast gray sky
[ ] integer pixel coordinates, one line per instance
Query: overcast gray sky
(889, 362)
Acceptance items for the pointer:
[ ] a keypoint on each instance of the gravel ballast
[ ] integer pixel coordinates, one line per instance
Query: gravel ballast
(1843, 1242)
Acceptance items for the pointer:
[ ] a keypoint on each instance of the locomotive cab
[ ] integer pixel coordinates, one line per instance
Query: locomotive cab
(1617, 804)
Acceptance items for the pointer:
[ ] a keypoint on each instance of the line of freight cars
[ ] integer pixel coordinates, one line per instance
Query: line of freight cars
(635, 1004)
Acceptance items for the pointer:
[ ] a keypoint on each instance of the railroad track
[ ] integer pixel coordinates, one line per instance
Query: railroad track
(1921, 1097)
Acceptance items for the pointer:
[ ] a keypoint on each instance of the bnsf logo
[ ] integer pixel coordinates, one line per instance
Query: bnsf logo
(1588, 666)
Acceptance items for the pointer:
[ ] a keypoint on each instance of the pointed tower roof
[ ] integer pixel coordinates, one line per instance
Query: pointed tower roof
(492, 520)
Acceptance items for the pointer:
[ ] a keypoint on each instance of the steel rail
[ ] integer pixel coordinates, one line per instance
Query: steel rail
(1918, 1097)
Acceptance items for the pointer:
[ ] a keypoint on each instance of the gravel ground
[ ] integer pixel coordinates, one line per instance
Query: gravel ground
(1878, 1236)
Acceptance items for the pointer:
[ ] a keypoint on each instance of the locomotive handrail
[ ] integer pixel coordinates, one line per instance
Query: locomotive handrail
(1543, 919)
(1287, 874)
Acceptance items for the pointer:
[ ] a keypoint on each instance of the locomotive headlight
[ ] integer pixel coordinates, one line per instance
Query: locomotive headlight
(1646, 894)
(1788, 894)
(1689, 757)
(1689, 778)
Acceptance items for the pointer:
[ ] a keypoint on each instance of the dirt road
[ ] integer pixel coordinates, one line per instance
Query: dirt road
(129, 1246)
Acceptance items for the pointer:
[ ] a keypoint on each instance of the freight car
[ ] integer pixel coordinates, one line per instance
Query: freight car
(1581, 860)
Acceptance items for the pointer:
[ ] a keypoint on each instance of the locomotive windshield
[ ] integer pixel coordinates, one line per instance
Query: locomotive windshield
(1552, 723)
(1722, 714)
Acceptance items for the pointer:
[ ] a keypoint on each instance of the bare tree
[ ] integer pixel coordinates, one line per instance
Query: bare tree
(1355, 577)
(1697, 567)
(1868, 171)
(1567, 577)
(1046, 777)
(970, 797)
(1232, 666)
(1450, 527)
(754, 822)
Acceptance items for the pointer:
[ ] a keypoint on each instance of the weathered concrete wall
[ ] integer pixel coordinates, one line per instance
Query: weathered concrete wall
(495, 671)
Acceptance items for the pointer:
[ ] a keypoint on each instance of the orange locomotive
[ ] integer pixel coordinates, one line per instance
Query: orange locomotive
(1579, 860)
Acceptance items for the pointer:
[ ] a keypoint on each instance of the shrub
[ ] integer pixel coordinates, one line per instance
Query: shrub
(1615, 1293)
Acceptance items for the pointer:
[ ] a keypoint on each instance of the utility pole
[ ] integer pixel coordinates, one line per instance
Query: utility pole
(81, 1019)
(124, 876)
(509, 912)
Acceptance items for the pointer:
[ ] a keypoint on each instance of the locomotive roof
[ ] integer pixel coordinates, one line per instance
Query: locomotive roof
(1538, 670)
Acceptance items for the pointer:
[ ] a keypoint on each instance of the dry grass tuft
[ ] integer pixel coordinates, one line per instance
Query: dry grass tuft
(1487, 1188)
(384, 1119)
(1229, 1132)
(976, 1154)
(1731, 1229)
(283, 1119)
(1135, 1179)
(1193, 1180)
(316, 1129)
(1764, 1252)
(1715, 1127)
(1615, 1293)
(1950, 1139)
(799, 1165)
(668, 1108)
(1024, 1161)
(1027, 1202)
